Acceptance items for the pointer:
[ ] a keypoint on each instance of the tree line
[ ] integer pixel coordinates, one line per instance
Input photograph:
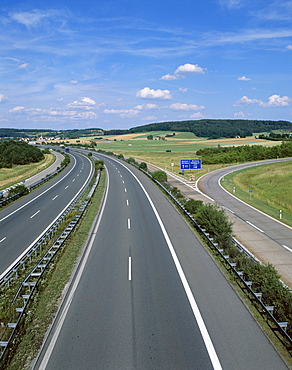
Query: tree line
(245, 153)
(211, 128)
(18, 153)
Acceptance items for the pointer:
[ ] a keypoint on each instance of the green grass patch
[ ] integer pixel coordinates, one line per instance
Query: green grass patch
(46, 302)
(265, 187)
(11, 176)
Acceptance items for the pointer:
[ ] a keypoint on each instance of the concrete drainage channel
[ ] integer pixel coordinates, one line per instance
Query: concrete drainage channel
(19, 284)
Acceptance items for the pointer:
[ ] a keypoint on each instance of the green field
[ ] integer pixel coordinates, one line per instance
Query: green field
(11, 176)
(266, 187)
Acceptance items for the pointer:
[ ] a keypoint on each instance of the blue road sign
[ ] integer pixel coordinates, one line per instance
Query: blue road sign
(190, 164)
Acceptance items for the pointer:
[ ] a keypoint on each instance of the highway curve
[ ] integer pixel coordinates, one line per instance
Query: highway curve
(147, 295)
(268, 239)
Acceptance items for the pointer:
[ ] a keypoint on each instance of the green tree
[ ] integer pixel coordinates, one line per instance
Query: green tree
(143, 166)
(215, 221)
(193, 205)
(160, 176)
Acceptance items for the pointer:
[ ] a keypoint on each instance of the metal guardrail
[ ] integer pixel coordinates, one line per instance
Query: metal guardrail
(6, 201)
(268, 311)
(28, 285)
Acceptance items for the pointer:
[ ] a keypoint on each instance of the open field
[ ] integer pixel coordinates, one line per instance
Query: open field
(180, 139)
(266, 187)
(11, 176)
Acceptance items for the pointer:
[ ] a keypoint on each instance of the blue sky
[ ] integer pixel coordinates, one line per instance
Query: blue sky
(119, 64)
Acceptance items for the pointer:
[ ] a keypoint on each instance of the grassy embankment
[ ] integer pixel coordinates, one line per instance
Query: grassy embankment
(11, 176)
(270, 187)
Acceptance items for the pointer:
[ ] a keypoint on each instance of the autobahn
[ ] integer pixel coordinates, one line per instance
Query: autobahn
(147, 295)
(267, 239)
(22, 223)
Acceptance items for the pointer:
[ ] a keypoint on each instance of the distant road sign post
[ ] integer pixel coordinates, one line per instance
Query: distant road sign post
(190, 164)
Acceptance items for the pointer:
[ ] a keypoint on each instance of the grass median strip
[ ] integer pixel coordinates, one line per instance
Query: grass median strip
(47, 300)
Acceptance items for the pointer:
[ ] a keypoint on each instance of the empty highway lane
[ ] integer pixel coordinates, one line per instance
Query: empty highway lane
(147, 295)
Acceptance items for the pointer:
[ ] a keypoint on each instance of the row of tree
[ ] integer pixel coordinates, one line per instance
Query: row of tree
(211, 128)
(18, 153)
(245, 153)
(276, 136)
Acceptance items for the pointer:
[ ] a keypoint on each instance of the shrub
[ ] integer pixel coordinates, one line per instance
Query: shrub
(143, 166)
(160, 176)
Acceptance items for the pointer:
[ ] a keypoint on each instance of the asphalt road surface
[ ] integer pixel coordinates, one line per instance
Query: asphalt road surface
(267, 239)
(25, 220)
(147, 295)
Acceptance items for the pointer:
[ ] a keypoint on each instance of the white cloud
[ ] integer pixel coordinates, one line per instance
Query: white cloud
(31, 19)
(189, 69)
(2, 98)
(277, 101)
(183, 106)
(169, 77)
(28, 19)
(289, 47)
(239, 115)
(146, 106)
(73, 82)
(273, 101)
(149, 118)
(24, 65)
(197, 115)
(148, 93)
(184, 70)
(244, 78)
(246, 101)
(183, 89)
(85, 103)
(123, 113)
(16, 109)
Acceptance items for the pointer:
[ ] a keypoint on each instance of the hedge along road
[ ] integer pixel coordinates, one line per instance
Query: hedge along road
(148, 295)
(266, 238)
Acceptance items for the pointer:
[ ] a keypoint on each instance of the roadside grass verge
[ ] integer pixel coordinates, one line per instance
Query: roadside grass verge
(11, 176)
(46, 302)
(265, 187)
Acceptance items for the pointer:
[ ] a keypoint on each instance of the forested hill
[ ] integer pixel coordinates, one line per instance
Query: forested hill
(211, 128)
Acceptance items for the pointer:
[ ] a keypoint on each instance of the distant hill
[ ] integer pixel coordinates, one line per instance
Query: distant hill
(212, 128)
(209, 128)
(15, 134)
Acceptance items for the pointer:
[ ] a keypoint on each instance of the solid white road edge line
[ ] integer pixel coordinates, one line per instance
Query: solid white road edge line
(204, 332)
(12, 213)
(43, 233)
(68, 301)
(257, 228)
(288, 249)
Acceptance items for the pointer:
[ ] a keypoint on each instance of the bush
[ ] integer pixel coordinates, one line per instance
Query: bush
(215, 221)
(160, 176)
(192, 205)
(17, 190)
(131, 160)
(143, 166)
